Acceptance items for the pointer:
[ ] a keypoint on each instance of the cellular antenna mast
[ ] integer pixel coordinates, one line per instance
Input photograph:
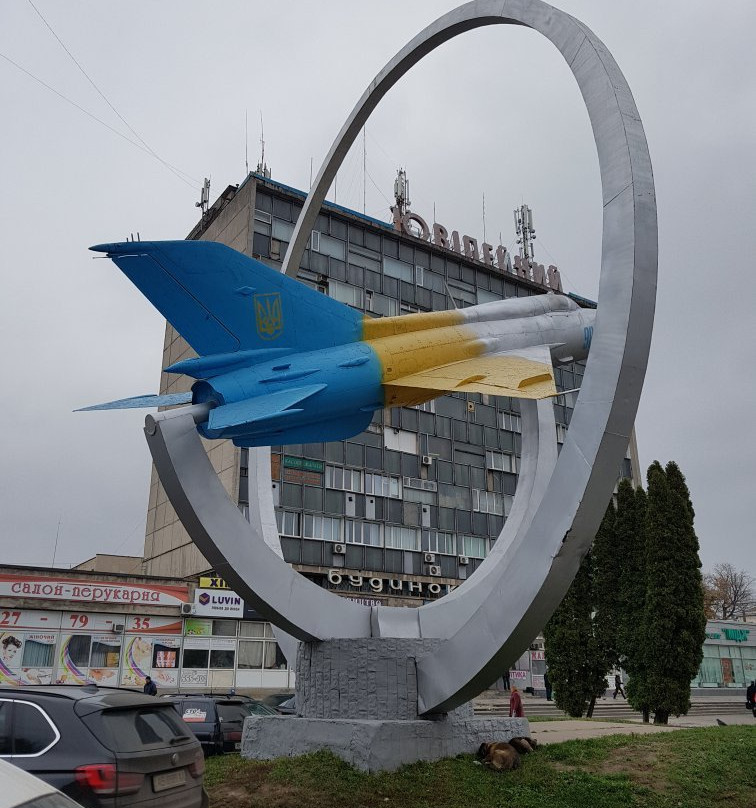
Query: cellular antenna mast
(262, 168)
(401, 192)
(523, 219)
(246, 142)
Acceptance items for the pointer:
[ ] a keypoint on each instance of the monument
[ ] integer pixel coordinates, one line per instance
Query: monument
(385, 686)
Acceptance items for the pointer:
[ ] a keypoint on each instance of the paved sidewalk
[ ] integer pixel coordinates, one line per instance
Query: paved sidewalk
(569, 730)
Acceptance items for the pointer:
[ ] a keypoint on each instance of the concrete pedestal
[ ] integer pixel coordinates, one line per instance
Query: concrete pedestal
(358, 699)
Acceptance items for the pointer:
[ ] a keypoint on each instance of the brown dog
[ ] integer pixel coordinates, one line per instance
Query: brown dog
(524, 745)
(499, 756)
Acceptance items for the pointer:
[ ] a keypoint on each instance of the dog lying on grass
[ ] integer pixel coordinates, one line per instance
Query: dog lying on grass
(501, 756)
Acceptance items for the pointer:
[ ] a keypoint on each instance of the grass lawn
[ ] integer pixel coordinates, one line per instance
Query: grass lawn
(695, 768)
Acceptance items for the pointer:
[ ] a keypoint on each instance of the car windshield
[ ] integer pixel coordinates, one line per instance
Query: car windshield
(258, 708)
(132, 730)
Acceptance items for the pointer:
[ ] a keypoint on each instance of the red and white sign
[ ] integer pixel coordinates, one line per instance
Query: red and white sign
(30, 586)
(518, 675)
(28, 618)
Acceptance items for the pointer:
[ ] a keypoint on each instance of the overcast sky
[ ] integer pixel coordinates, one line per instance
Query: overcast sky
(496, 112)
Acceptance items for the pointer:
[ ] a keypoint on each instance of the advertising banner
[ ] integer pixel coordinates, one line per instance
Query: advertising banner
(73, 659)
(11, 645)
(218, 603)
(39, 586)
(137, 659)
(28, 618)
(39, 659)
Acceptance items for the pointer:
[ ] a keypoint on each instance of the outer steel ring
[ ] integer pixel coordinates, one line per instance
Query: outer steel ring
(491, 620)
(533, 576)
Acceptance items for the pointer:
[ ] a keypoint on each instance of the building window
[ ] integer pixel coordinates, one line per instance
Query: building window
(510, 422)
(322, 527)
(345, 293)
(288, 523)
(561, 433)
(362, 533)
(383, 485)
(343, 479)
(402, 538)
(400, 440)
(487, 502)
(437, 541)
(474, 546)
(501, 462)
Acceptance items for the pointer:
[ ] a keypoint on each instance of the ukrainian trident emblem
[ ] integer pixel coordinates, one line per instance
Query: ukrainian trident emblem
(268, 316)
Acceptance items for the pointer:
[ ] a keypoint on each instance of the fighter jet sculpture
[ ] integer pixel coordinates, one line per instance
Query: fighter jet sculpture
(281, 363)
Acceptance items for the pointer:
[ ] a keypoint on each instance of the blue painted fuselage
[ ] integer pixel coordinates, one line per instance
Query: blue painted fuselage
(330, 393)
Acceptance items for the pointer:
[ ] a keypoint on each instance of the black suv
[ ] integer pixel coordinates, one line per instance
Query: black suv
(103, 747)
(217, 721)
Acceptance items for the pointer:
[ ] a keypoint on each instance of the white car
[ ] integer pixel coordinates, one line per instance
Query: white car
(19, 789)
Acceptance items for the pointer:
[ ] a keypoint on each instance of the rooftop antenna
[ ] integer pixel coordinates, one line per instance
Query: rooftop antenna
(523, 219)
(204, 202)
(262, 168)
(401, 193)
(55, 548)
(246, 142)
(364, 167)
(484, 216)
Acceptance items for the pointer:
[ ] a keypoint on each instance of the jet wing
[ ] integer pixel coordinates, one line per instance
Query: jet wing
(526, 373)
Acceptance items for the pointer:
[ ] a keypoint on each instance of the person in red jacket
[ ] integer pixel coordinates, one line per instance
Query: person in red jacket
(515, 704)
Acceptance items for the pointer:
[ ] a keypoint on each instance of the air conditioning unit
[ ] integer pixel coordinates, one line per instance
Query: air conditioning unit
(463, 560)
(427, 460)
(187, 608)
(118, 628)
(339, 549)
(434, 569)
(429, 558)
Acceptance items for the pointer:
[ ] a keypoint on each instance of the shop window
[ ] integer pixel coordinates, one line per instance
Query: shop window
(256, 654)
(222, 658)
(224, 628)
(195, 657)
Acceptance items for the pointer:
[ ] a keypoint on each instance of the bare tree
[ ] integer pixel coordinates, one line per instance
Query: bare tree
(728, 593)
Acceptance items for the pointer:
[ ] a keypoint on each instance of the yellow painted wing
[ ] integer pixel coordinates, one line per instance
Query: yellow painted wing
(496, 374)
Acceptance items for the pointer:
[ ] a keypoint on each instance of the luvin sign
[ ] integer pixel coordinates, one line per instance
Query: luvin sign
(412, 224)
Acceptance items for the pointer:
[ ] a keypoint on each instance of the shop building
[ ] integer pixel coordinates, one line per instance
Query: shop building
(74, 627)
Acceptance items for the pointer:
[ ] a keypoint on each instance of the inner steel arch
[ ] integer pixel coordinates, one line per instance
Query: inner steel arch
(486, 626)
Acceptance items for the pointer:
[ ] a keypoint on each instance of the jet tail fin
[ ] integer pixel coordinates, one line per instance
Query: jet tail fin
(221, 301)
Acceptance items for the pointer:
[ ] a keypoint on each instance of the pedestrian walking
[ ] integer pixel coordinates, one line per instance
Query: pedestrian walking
(618, 687)
(505, 679)
(751, 696)
(515, 704)
(150, 688)
(547, 685)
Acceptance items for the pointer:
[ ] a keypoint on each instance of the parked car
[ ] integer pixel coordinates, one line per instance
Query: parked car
(103, 747)
(274, 699)
(23, 790)
(288, 707)
(217, 721)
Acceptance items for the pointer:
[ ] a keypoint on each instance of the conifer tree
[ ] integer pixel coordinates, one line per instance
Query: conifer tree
(607, 570)
(674, 623)
(576, 661)
(630, 546)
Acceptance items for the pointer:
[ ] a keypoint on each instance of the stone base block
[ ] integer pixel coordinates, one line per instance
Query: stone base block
(372, 745)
